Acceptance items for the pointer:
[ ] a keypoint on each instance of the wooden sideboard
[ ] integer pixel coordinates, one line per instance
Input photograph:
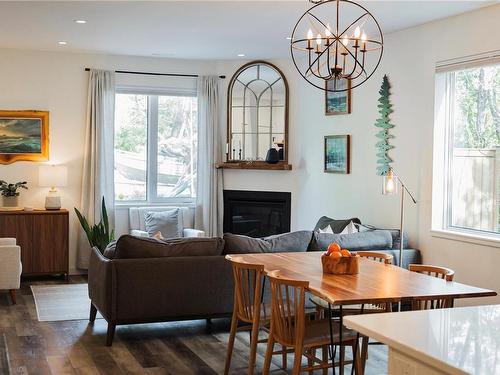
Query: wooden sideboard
(43, 238)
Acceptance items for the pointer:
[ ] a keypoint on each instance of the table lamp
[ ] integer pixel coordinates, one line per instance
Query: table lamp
(53, 176)
(390, 187)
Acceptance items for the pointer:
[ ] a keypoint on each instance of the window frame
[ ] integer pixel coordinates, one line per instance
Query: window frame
(443, 149)
(152, 94)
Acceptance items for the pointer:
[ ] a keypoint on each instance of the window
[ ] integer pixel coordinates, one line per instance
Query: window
(155, 147)
(467, 149)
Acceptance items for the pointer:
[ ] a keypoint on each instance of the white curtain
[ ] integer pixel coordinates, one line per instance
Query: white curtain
(97, 180)
(209, 199)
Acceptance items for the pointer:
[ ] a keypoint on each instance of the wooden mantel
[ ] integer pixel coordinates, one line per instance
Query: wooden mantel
(259, 165)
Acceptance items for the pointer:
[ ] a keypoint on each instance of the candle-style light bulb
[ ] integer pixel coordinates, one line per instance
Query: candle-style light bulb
(357, 32)
(363, 37)
(328, 32)
(318, 39)
(363, 42)
(345, 40)
(309, 34)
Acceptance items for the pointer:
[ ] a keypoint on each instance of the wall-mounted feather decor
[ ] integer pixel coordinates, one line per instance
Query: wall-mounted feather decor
(384, 124)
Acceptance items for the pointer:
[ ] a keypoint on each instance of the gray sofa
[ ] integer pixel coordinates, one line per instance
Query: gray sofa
(143, 280)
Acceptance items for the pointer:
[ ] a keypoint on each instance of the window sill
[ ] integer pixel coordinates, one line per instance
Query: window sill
(476, 239)
(155, 204)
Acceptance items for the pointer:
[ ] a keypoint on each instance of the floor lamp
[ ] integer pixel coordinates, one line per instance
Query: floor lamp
(390, 187)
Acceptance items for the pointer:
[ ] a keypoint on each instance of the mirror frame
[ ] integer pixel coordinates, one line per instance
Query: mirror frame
(229, 115)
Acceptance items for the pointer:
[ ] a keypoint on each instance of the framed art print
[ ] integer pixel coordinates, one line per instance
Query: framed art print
(24, 135)
(337, 154)
(338, 103)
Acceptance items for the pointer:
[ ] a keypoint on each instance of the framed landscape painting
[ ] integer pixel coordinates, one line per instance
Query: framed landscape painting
(338, 103)
(337, 154)
(24, 135)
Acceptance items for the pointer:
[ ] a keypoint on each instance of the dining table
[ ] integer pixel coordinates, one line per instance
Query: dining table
(376, 283)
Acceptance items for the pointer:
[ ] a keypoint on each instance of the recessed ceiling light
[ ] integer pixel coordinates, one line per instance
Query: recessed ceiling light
(62, 43)
(241, 55)
(80, 21)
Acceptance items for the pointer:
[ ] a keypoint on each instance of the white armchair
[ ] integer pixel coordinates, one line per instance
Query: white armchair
(138, 228)
(10, 266)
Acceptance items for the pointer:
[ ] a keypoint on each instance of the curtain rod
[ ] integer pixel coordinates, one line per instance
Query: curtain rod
(156, 74)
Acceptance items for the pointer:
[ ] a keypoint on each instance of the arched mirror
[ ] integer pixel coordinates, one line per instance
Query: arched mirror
(257, 114)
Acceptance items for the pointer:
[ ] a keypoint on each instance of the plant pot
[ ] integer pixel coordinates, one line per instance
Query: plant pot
(10, 201)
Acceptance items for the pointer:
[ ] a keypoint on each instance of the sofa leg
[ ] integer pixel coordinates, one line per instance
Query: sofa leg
(13, 296)
(93, 313)
(111, 334)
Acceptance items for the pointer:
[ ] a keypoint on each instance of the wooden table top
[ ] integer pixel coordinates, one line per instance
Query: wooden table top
(376, 282)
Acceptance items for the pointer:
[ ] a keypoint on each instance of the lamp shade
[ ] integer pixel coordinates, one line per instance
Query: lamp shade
(53, 176)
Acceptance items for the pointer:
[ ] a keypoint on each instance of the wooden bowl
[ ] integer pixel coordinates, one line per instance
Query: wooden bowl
(340, 266)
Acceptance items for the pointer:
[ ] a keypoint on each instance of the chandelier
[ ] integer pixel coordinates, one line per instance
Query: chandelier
(336, 45)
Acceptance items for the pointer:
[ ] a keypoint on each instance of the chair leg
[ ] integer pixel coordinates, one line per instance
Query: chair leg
(230, 344)
(324, 357)
(284, 357)
(93, 313)
(364, 352)
(309, 360)
(297, 360)
(111, 334)
(253, 347)
(358, 368)
(269, 354)
(13, 296)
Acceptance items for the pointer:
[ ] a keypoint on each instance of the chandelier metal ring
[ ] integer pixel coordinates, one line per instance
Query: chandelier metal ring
(339, 53)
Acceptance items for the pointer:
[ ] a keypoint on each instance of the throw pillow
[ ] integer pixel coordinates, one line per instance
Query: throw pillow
(328, 229)
(349, 229)
(166, 222)
(109, 251)
(336, 225)
(131, 247)
(371, 240)
(286, 242)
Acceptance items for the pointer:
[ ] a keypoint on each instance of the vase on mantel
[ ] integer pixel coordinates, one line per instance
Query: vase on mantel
(10, 202)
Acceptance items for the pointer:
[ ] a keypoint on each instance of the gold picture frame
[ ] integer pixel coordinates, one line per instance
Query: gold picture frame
(338, 103)
(24, 136)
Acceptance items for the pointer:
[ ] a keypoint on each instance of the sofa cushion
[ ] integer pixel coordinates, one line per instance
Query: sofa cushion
(166, 222)
(286, 242)
(336, 225)
(109, 251)
(131, 247)
(370, 240)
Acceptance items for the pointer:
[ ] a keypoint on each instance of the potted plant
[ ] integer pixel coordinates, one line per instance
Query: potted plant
(10, 194)
(99, 235)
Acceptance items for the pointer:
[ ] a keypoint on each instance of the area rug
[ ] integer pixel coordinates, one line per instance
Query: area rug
(61, 302)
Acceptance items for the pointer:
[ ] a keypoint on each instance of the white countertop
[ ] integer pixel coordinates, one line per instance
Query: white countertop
(463, 340)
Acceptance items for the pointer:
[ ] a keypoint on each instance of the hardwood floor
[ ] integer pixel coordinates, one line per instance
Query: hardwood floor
(75, 347)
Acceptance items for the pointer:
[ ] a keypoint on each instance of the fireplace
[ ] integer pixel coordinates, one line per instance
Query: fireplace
(256, 213)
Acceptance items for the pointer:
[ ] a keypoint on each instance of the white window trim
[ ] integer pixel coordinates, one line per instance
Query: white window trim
(152, 147)
(443, 151)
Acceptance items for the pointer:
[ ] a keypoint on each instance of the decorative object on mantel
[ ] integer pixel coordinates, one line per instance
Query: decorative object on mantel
(10, 195)
(338, 103)
(272, 156)
(53, 176)
(99, 235)
(24, 135)
(337, 154)
(257, 118)
(384, 123)
(330, 41)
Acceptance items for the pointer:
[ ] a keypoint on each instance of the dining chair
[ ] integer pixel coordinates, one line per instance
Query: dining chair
(376, 256)
(290, 328)
(444, 273)
(249, 308)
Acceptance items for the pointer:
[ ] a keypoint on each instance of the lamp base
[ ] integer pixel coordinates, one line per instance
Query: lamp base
(52, 203)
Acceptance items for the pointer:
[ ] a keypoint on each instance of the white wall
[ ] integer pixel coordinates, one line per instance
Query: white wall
(57, 82)
(409, 60)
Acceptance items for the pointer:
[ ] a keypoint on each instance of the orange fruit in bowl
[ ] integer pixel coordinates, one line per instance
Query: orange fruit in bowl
(335, 254)
(333, 247)
(345, 253)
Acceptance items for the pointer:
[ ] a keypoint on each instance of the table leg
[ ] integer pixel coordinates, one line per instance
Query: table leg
(341, 324)
(332, 344)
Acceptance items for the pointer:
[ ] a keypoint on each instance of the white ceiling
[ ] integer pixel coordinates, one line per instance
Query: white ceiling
(187, 29)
